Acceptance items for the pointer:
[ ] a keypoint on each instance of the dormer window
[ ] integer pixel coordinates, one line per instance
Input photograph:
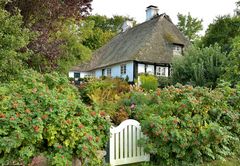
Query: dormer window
(177, 49)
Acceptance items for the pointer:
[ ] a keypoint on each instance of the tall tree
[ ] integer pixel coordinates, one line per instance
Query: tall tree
(104, 29)
(49, 19)
(237, 10)
(222, 31)
(13, 45)
(34, 11)
(189, 26)
(233, 66)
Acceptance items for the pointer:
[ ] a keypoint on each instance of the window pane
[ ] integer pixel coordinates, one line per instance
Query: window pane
(76, 75)
(109, 72)
(123, 69)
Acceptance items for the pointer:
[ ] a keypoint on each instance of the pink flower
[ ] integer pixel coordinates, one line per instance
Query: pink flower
(133, 106)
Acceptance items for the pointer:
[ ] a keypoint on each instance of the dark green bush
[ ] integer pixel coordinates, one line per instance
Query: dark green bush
(42, 114)
(164, 82)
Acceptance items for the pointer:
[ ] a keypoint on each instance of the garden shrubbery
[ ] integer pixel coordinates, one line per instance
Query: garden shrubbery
(42, 115)
(103, 94)
(148, 82)
(187, 125)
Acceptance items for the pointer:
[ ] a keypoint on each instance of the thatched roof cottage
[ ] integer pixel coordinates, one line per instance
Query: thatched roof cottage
(146, 48)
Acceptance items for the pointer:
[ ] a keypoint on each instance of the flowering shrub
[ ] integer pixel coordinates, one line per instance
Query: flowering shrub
(104, 94)
(187, 125)
(42, 115)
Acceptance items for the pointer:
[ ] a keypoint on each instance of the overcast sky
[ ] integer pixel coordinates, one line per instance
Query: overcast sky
(202, 9)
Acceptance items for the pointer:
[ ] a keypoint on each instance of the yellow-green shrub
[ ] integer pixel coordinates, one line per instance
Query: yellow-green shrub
(148, 82)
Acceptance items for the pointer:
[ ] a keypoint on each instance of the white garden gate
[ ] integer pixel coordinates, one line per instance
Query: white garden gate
(123, 144)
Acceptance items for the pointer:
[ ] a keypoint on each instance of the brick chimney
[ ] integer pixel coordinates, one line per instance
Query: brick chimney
(151, 12)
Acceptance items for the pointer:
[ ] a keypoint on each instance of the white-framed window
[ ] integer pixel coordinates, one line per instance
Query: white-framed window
(161, 71)
(123, 69)
(177, 49)
(109, 72)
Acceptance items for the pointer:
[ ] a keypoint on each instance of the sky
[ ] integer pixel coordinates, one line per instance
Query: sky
(207, 10)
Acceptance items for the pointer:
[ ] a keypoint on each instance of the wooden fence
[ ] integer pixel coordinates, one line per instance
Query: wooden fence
(123, 144)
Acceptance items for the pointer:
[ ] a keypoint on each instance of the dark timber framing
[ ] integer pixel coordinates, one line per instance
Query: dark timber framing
(135, 67)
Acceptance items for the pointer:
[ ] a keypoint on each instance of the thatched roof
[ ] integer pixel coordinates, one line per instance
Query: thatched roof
(150, 41)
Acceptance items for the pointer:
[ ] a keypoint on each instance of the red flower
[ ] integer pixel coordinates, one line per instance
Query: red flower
(90, 138)
(28, 111)
(12, 118)
(102, 113)
(36, 128)
(68, 121)
(59, 147)
(18, 115)
(81, 126)
(93, 113)
(45, 116)
(2, 115)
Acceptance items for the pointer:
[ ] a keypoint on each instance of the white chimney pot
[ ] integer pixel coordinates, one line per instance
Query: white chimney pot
(151, 12)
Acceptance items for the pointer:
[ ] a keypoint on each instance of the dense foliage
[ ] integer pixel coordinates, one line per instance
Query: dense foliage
(13, 42)
(186, 125)
(42, 115)
(104, 29)
(48, 19)
(222, 31)
(200, 66)
(36, 11)
(233, 66)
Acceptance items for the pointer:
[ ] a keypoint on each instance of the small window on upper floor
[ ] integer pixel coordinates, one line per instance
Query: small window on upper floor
(109, 72)
(177, 49)
(123, 69)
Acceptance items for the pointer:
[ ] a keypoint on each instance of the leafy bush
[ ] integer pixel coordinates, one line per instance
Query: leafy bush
(104, 94)
(199, 66)
(42, 115)
(187, 125)
(164, 81)
(148, 82)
